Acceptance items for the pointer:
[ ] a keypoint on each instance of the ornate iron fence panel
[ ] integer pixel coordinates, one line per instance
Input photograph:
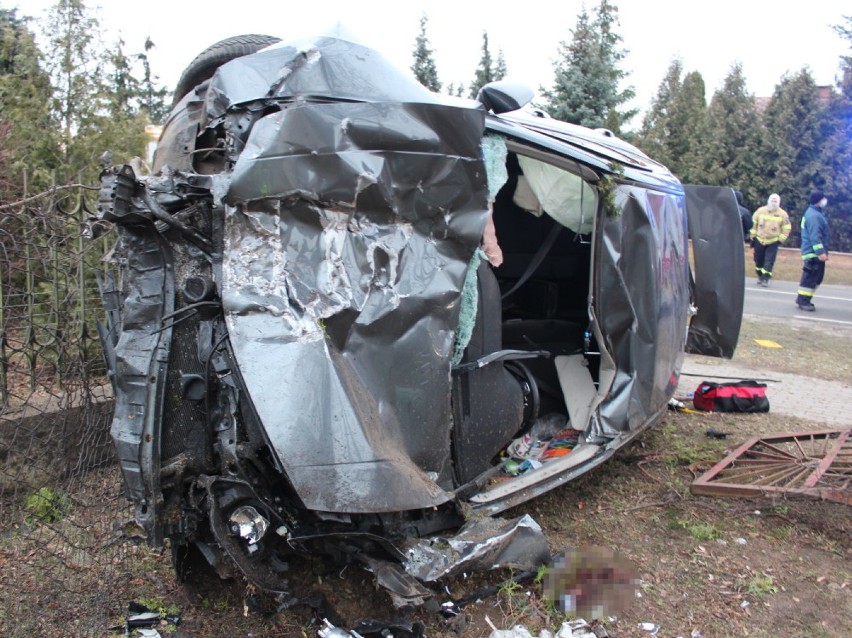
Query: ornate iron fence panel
(63, 543)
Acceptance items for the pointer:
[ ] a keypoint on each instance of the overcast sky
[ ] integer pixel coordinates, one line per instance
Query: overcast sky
(768, 39)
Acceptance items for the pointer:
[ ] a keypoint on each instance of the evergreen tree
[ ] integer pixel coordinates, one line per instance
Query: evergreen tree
(674, 128)
(26, 135)
(690, 122)
(587, 74)
(612, 55)
(500, 69)
(154, 100)
(734, 131)
(457, 91)
(424, 67)
(75, 64)
(485, 70)
(576, 90)
(837, 150)
(655, 135)
(795, 131)
(119, 124)
(96, 96)
(129, 96)
(125, 89)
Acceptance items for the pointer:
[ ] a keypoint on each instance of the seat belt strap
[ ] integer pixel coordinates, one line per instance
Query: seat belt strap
(539, 256)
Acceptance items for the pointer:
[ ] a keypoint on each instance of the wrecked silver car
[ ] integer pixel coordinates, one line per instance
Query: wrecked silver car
(349, 314)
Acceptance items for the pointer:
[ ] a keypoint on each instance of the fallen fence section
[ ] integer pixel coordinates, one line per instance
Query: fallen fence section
(812, 464)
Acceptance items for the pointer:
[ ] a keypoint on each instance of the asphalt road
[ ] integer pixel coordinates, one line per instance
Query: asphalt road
(833, 303)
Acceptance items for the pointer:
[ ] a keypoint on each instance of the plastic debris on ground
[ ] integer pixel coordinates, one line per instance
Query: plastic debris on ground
(547, 439)
(481, 544)
(373, 629)
(330, 631)
(651, 628)
(768, 343)
(678, 405)
(674, 404)
(140, 621)
(578, 628)
(715, 434)
(562, 443)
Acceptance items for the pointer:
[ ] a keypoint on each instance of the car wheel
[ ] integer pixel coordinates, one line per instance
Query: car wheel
(205, 63)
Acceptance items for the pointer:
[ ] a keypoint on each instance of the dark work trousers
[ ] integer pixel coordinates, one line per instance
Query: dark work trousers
(813, 270)
(764, 258)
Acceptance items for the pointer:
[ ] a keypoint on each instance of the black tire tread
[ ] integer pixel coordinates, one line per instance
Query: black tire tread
(205, 63)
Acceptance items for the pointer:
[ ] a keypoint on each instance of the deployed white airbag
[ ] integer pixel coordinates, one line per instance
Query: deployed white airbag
(563, 195)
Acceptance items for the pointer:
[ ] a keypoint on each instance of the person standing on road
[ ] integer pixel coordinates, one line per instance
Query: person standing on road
(770, 228)
(814, 250)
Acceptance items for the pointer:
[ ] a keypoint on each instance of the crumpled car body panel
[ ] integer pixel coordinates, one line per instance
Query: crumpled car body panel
(342, 272)
(311, 344)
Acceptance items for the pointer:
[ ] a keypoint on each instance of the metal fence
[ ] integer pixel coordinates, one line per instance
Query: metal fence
(62, 543)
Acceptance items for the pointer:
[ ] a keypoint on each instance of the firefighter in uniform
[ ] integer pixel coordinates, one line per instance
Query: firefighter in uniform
(770, 228)
(814, 250)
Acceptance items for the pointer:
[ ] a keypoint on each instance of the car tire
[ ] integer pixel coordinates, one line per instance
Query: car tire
(205, 63)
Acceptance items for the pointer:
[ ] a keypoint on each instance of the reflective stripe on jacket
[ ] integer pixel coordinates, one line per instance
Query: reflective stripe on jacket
(770, 226)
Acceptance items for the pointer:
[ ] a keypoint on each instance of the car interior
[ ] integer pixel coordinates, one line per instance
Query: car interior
(533, 308)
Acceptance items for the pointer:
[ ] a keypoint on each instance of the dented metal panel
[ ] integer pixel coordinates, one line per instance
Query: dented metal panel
(642, 301)
(327, 66)
(719, 278)
(345, 254)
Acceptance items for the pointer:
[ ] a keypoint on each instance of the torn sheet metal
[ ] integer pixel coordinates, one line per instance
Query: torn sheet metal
(333, 65)
(348, 231)
(482, 544)
(358, 244)
(403, 589)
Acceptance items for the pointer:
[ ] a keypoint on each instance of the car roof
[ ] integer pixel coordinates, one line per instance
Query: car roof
(594, 147)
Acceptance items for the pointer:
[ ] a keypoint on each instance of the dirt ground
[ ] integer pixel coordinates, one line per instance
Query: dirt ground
(703, 566)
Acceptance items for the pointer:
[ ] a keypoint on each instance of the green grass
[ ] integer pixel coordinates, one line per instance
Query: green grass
(699, 530)
(762, 586)
(46, 506)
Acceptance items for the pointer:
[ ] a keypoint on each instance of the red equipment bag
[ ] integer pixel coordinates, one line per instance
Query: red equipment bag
(740, 396)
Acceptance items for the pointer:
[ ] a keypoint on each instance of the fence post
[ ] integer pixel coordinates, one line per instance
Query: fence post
(4, 390)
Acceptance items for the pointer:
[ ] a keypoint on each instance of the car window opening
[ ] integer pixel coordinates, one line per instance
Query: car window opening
(535, 301)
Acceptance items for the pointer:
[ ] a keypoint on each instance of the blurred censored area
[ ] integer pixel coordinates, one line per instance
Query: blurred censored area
(591, 582)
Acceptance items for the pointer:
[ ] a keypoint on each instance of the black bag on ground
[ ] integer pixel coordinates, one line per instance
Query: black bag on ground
(739, 396)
